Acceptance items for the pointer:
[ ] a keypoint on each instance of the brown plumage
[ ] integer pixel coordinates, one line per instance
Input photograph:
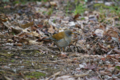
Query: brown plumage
(62, 39)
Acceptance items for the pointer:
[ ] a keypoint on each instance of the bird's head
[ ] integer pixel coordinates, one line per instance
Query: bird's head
(68, 33)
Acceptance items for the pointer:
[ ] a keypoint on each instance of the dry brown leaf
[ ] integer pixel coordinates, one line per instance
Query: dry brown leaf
(99, 32)
(112, 33)
(103, 59)
(18, 44)
(33, 42)
(103, 72)
(21, 35)
(40, 26)
(27, 25)
(76, 16)
(65, 77)
(102, 27)
(51, 29)
(33, 28)
(16, 30)
(53, 3)
(117, 51)
(103, 47)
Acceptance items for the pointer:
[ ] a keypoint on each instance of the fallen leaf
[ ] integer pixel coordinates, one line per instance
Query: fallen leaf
(99, 32)
(27, 25)
(65, 77)
(50, 29)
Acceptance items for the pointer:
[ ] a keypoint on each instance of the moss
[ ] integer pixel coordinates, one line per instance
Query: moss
(36, 51)
(23, 52)
(6, 55)
(82, 18)
(101, 5)
(3, 60)
(12, 60)
(28, 61)
(1, 72)
(35, 75)
(4, 51)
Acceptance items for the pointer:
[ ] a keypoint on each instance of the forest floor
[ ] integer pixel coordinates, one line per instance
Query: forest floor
(94, 53)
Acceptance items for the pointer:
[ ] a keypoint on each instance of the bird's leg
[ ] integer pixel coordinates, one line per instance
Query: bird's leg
(63, 49)
(60, 49)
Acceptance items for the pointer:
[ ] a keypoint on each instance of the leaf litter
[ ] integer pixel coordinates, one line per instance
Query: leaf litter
(94, 53)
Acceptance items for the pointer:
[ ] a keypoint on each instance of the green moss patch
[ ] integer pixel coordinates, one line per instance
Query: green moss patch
(35, 75)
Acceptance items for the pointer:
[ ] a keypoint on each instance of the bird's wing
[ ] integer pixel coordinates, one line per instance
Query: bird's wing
(59, 36)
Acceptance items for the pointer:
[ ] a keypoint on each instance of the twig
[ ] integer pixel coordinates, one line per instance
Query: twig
(54, 75)
(82, 75)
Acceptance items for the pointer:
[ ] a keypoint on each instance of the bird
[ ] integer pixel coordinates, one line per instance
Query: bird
(62, 39)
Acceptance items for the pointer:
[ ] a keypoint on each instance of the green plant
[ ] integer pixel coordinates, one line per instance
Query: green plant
(54, 21)
(115, 10)
(50, 11)
(12, 60)
(100, 5)
(67, 8)
(117, 67)
(44, 0)
(80, 9)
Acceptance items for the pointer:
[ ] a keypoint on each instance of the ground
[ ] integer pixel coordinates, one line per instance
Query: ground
(25, 54)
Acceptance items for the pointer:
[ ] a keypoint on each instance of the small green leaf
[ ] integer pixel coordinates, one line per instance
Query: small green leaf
(118, 67)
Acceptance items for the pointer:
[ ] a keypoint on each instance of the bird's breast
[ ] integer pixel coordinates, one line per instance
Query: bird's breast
(63, 42)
